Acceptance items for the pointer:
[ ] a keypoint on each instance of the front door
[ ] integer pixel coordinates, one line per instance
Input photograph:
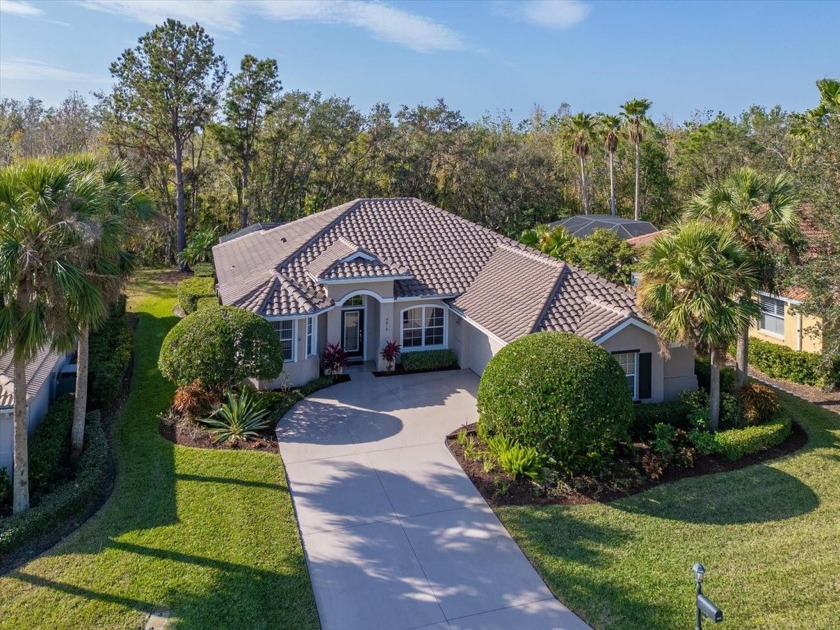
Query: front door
(353, 333)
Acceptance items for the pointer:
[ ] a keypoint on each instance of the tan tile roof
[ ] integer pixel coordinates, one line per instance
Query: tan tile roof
(644, 239)
(509, 289)
(37, 372)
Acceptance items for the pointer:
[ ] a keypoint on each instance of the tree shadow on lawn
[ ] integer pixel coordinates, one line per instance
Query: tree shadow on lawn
(752, 495)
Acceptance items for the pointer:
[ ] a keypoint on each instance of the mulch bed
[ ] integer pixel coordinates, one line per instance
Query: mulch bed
(399, 371)
(173, 276)
(525, 492)
(184, 432)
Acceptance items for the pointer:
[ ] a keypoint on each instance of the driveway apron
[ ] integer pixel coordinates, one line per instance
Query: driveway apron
(396, 536)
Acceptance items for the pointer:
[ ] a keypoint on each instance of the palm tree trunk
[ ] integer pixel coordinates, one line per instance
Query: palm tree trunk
(583, 194)
(742, 358)
(714, 392)
(613, 210)
(77, 438)
(636, 210)
(20, 488)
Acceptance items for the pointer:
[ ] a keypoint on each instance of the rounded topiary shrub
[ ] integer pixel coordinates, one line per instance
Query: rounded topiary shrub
(220, 346)
(565, 396)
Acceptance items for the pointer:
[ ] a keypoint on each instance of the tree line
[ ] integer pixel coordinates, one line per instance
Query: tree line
(221, 149)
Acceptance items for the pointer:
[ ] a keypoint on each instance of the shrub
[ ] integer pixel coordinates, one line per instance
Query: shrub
(109, 358)
(703, 370)
(203, 270)
(334, 358)
(220, 346)
(390, 353)
(199, 247)
(191, 289)
(5, 487)
(559, 393)
(206, 302)
(759, 403)
(737, 443)
(663, 442)
(428, 360)
(674, 412)
(800, 367)
(49, 448)
(66, 501)
(730, 411)
(238, 419)
(193, 400)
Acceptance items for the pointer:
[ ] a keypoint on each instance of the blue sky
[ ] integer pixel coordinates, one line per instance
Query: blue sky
(480, 56)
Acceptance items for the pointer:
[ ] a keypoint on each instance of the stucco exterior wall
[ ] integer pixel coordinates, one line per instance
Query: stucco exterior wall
(479, 348)
(7, 425)
(633, 338)
(382, 288)
(797, 332)
(679, 372)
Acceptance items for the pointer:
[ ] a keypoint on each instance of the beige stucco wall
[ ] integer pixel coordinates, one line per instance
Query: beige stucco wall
(797, 332)
(478, 348)
(382, 288)
(300, 371)
(679, 372)
(633, 338)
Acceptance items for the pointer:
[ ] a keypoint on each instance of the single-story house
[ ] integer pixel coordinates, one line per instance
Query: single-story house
(375, 270)
(44, 376)
(582, 225)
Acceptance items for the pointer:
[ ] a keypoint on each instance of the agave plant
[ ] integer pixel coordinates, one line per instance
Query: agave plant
(237, 419)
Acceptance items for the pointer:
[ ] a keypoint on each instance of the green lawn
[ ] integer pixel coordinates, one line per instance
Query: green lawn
(769, 536)
(208, 535)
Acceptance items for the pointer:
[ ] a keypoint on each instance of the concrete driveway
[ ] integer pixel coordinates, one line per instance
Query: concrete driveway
(396, 535)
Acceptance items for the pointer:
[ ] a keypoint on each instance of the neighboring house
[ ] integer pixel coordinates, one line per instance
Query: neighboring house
(44, 378)
(254, 227)
(778, 323)
(582, 225)
(374, 270)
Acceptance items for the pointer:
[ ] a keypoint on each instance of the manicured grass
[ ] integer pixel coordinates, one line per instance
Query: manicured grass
(209, 535)
(769, 536)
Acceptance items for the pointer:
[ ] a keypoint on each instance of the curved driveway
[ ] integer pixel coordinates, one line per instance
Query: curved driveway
(395, 534)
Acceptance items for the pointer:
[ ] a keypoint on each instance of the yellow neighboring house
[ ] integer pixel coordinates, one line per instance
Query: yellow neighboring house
(779, 323)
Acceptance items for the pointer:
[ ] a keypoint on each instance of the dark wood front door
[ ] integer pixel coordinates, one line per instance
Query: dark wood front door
(353, 333)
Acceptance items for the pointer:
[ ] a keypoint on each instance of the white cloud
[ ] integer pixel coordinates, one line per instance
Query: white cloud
(219, 15)
(553, 14)
(382, 21)
(19, 7)
(24, 69)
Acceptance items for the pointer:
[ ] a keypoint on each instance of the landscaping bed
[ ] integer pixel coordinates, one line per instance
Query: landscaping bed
(399, 370)
(623, 478)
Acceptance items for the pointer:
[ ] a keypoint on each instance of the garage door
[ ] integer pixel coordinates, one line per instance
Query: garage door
(480, 349)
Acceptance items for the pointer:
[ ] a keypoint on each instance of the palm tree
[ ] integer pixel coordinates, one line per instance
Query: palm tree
(611, 127)
(581, 128)
(634, 113)
(693, 288)
(43, 205)
(119, 203)
(763, 213)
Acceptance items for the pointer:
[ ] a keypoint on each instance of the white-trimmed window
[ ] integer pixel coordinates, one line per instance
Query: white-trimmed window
(311, 339)
(772, 318)
(629, 362)
(423, 327)
(285, 329)
(356, 300)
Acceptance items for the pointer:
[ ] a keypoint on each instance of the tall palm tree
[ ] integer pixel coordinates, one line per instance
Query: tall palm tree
(43, 205)
(581, 129)
(634, 113)
(692, 289)
(763, 213)
(611, 128)
(120, 203)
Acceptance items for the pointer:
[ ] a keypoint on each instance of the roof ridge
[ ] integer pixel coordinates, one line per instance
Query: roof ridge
(625, 312)
(524, 250)
(551, 297)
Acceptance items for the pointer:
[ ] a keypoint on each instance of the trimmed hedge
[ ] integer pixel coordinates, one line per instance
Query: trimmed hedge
(737, 443)
(800, 367)
(220, 347)
(109, 358)
(646, 416)
(203, 270)
(66, 501)
(206, 302)
(703, 370)
(559, 393)
(192, 289)
(428, 360)
(49, 448)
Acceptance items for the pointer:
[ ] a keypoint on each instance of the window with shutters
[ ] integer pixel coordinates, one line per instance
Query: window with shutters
(772, 318)
(629, 362)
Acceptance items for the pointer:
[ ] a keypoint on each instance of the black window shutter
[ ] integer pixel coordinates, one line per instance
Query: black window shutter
(644, 375)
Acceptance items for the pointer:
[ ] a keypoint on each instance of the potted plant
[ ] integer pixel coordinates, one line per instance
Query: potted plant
(390, 353)
(334, 359)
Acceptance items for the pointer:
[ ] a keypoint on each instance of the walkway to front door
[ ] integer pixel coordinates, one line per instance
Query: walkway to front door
(395, 534)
